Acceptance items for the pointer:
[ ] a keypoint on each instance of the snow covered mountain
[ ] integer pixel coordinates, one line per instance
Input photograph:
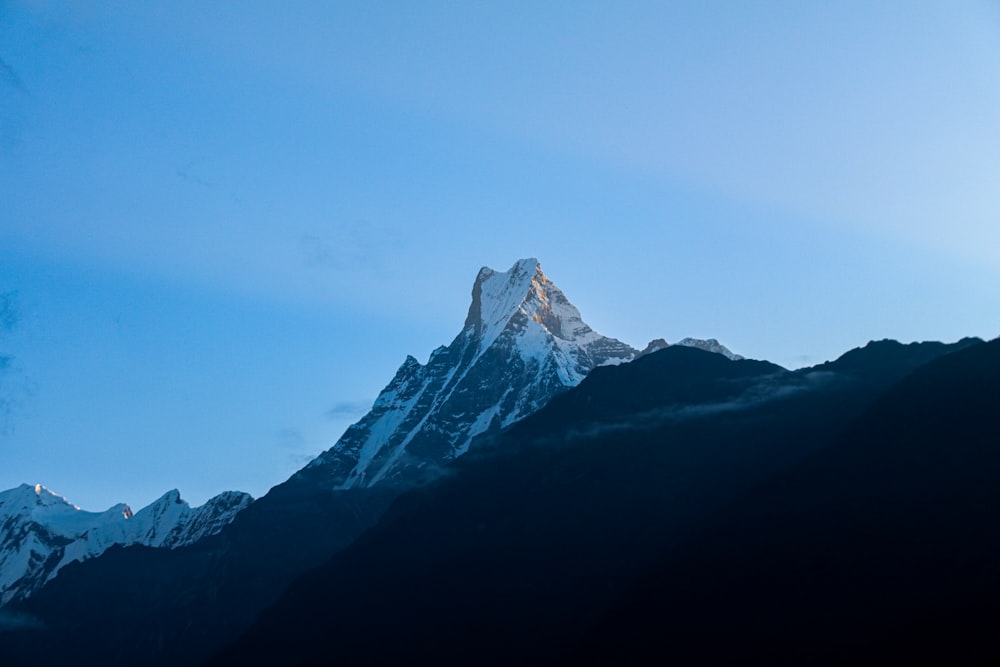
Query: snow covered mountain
(709, 345)
(523, 342)
(40, 531)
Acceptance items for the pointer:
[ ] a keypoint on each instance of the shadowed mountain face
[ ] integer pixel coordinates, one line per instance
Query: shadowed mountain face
(152, 606)
(883, 547)
(542, 539)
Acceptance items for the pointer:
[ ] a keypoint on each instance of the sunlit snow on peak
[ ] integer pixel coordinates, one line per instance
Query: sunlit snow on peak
(522, 343)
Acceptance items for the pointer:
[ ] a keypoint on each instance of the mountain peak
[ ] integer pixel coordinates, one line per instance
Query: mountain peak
(523, 342)
(497, 295)
(43, 531)
(710, 345)
(510, 301)
(171, 497)
(30, 498)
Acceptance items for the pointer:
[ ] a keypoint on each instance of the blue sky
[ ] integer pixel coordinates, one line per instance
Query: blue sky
(223, 227)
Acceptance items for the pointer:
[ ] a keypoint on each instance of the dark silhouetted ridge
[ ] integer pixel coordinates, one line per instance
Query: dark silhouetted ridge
(522, 552)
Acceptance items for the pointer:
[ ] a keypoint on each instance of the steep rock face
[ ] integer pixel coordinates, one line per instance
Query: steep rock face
(40, 531)
(523, 342)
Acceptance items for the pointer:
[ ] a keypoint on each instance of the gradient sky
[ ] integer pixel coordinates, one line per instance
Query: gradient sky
(224, 226)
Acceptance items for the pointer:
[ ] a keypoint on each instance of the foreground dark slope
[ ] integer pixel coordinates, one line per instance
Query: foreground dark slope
(540, 529)
(145, 606)
(883, 548)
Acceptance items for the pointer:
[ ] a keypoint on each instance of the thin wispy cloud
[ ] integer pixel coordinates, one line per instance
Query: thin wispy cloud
(766, 391)
(189, 173)
(10, 78)
(9, 317)
(349, 409)
(345, 251)
(300, 460)
(299, 453)
(13, 94)
(316, 252)
(351, 246)
(290, 438)
(14, 621)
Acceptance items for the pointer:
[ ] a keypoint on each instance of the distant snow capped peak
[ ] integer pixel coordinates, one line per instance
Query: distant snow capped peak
(40, 531)
(522, 343)
(654, 345)
(709, 345)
